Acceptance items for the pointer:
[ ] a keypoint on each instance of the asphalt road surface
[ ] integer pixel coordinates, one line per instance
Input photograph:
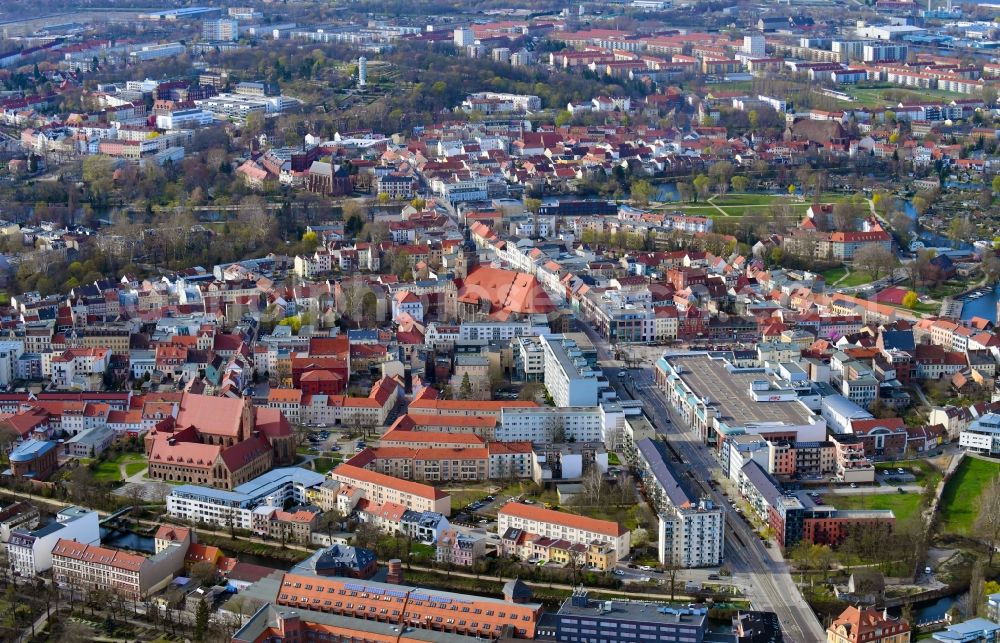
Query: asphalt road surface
(764, 573)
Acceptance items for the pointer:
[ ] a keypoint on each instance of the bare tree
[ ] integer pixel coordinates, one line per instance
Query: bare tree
(846, 215)
(354, 291)
(876, 260)
(988, 520)
(977, 582)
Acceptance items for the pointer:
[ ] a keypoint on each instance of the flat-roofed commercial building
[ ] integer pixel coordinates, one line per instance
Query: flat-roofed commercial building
(719, 400)
(579, 619)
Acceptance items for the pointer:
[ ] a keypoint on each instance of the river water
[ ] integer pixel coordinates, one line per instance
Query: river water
(137, 542)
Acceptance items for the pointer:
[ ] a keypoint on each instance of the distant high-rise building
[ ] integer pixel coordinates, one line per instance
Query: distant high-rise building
(753, 45)
(222, 29)
(464, 37)
(362, 71)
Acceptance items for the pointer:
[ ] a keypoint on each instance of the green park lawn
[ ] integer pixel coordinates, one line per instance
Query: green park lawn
(107, 472)
(960, 500)
(903, 505)
(420, 549)
(876, 96)
(832, 275)
(738, 204)
(110, 470)
(133, 468)
(856, 278)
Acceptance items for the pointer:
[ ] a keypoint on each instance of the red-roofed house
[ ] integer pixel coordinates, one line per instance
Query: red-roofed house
(381, 488)
(561, 524)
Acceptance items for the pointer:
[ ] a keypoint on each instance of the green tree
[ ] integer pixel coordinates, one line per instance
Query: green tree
(564, 118)
(465, 390)
(201, 621)
(310, 240)
(996, 184)
(910, 300)
(642, 192)
(960, 229)
(739, 183)
(702, 184)
(418, 203)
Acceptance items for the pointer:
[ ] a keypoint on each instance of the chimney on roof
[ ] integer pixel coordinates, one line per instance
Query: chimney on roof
(394, 571)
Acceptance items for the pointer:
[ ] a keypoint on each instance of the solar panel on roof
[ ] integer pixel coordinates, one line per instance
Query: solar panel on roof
(395, 593)
(419, 597)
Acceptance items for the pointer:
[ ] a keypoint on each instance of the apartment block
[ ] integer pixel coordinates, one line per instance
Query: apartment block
(567, 526)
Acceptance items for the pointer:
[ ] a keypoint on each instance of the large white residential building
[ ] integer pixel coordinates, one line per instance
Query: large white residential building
(547, 424)
(691, 531)
(30, 552)
(568, 378)
(196, 504)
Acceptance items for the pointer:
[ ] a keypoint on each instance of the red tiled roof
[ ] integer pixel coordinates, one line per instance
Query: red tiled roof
(508, 290)
(373, 477)
(98, 555)
(212, 415)
(540, 514)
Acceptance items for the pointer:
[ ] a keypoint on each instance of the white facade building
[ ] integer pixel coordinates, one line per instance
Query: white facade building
(982, 436)
(690, 530)
(753, 45)
(546, 424)
(30, 552)
(568, 378)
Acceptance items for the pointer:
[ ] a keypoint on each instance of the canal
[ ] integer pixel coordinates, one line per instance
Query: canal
(132, 541)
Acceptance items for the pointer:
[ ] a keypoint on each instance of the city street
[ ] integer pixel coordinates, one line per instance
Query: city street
(762, 572)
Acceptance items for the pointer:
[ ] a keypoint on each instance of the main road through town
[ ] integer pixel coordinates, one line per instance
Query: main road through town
(770, 586)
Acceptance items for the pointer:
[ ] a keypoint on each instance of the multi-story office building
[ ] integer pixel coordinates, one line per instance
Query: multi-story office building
(581, 620)
(197, 504)
(983, 435)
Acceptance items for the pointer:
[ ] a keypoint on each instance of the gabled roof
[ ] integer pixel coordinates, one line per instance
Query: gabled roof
(540, 514)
